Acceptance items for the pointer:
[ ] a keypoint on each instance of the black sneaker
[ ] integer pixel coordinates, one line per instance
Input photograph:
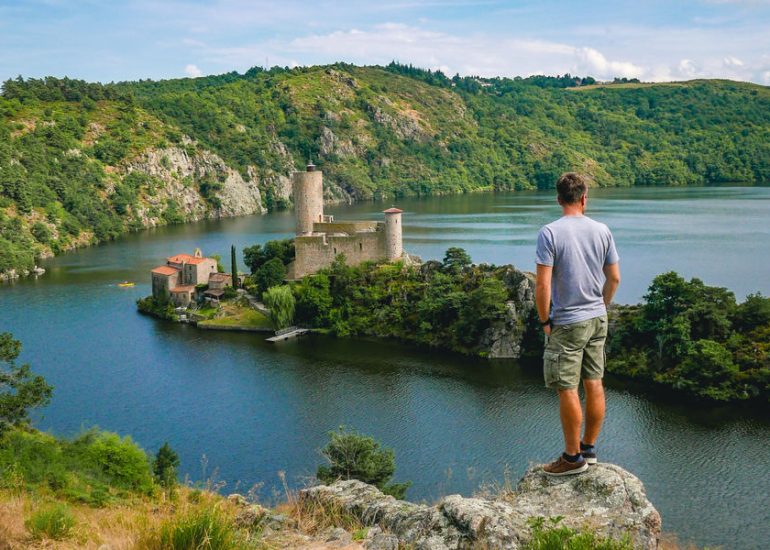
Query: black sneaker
(589, 456)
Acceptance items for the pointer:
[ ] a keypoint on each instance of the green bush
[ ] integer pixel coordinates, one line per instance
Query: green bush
(271, 273)
(355, 456)
(119, 461)
(54, 522)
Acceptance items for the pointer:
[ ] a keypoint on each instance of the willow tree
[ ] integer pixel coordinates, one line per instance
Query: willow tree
(280, 300)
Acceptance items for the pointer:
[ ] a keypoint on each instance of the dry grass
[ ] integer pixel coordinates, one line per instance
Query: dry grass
(121, 527)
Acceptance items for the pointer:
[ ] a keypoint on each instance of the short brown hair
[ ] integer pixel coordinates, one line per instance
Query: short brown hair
(570, 187)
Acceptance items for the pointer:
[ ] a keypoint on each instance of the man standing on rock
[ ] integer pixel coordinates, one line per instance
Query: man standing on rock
(577, 276)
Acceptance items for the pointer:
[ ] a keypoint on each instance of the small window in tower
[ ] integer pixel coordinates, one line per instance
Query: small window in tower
(360, 246)
(335, 249)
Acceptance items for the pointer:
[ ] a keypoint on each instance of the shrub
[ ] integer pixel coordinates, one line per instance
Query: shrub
(41, 232)
(271, 273)
(120, 461)
(54, 522)
(355, 456)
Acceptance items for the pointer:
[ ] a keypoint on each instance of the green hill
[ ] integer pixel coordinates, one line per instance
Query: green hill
(82, 163)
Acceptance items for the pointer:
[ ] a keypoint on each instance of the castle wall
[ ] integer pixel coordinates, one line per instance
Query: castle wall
(308, 198)
(346, 227)
(314, 252)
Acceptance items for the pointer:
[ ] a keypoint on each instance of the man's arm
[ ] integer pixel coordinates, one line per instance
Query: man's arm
(612, 280)
(543, 294)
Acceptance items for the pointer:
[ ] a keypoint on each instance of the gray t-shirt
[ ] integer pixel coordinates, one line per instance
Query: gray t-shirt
(578, 248)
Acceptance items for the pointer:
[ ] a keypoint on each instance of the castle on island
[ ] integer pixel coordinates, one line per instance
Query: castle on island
(319, 239)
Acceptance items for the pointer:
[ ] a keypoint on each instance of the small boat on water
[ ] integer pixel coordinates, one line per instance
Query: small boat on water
(126, 283)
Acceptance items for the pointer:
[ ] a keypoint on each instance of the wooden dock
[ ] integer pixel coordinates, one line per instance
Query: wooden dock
(287, 333)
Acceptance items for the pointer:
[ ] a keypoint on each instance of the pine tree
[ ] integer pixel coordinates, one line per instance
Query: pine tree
(164, 466)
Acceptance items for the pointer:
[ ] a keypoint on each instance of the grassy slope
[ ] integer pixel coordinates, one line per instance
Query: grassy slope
(373, 132)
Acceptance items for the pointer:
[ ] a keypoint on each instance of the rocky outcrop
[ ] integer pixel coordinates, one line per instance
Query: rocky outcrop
(181, 171)
(504, 338)
(606, 499)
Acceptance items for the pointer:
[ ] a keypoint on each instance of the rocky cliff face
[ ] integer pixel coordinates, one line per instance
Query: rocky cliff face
(504, 338)
(606, 499)
(182, 171)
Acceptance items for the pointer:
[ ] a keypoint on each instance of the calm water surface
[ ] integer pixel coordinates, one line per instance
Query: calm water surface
(455, 423)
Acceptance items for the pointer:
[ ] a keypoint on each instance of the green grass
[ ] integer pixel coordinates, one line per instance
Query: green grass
(552, 536)
(240, 317)
(54, 522)
(203, 529)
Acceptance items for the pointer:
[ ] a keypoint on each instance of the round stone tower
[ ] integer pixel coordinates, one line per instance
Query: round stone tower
(394, 246)
(308, 196)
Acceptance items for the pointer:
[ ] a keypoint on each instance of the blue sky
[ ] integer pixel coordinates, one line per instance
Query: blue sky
(654, 40)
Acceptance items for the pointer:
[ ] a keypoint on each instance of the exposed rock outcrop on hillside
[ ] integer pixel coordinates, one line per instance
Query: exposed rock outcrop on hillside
(504, 338)
(606, 499)
(181, 173)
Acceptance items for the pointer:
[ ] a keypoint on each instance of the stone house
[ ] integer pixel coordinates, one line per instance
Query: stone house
(179, 276)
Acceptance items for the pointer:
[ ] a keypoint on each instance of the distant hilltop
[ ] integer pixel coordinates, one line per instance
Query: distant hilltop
(83, 162)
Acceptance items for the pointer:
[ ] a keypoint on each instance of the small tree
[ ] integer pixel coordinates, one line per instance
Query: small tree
(20, 390)
(233, 266)
(271, 273)
(456, 259)
(355, 456)
(280, 300)
(164, 466)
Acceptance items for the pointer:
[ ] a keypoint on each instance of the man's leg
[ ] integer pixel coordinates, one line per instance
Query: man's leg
(571, 418)
(595, 407)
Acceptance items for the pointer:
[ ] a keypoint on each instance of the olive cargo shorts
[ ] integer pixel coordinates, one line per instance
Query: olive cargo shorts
(575, 351)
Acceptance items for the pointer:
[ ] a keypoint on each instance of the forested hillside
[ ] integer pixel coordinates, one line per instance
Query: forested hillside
(82, 163)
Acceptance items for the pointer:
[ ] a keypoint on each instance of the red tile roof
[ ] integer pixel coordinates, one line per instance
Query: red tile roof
(392, 211)
(181, 258)
(165, 270)
(183, 288)
(196, 261)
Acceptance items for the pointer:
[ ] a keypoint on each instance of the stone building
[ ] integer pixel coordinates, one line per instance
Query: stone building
(319, 238)
(177, 279)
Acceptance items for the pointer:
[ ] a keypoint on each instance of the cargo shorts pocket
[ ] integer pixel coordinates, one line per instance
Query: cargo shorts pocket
(551, 368)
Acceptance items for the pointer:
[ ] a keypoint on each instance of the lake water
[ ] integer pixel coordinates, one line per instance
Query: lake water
(455, 423)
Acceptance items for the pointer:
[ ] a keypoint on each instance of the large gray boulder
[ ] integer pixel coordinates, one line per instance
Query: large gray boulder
(606, 499)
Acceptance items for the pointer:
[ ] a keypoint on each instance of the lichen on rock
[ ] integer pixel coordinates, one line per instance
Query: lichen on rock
(606, 499)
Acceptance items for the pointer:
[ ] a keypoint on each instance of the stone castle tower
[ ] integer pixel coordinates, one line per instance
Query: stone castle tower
(308, 196)
(319, 239)
(394, 247)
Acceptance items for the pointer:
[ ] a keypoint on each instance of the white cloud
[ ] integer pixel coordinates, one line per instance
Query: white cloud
(192, 71)
(482, 55)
